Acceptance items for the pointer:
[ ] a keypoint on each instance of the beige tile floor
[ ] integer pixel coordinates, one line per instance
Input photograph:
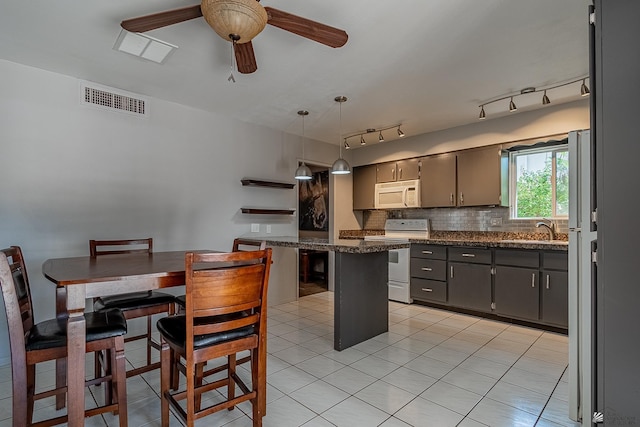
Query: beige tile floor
(433, 368)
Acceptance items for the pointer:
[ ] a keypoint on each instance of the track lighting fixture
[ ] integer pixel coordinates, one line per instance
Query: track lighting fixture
(361, 134)
(340, 166)
(303, 172)
(346, 144)
(545, 99)
(584, 91)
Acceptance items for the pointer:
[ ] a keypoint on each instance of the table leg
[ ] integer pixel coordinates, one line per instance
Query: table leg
(76, 338)
(61, 364)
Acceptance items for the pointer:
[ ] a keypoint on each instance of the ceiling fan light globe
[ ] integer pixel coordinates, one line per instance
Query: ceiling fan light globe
(235, 19)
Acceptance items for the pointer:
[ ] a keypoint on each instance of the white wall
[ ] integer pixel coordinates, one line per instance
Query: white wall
(546, 121)
(73, 173)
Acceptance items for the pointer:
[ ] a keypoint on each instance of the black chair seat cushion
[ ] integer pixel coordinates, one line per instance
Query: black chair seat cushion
(174, 330)
(181, 300)
(99, 325)
(133, 300)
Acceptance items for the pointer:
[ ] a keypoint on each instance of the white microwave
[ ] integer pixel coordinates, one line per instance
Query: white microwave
(399, 194)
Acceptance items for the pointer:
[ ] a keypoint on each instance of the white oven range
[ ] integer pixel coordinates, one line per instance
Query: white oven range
(401, 230)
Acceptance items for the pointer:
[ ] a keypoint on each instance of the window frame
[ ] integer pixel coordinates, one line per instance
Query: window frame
(513, 183)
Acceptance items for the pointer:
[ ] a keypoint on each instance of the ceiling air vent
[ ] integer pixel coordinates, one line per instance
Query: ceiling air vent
(112, 99)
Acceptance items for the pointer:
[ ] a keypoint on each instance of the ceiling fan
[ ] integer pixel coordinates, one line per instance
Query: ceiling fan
(239, 21)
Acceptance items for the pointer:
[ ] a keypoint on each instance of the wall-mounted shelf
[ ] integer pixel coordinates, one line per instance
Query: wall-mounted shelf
(264, 183)
(267, 211)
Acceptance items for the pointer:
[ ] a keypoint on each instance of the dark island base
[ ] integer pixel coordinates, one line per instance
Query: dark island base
(361, 297)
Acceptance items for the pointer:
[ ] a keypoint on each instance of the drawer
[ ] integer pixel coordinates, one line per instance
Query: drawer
(428, 251)
(555, 260)
(471, 255)
(428, 290)
(518, 258)
(425, 268)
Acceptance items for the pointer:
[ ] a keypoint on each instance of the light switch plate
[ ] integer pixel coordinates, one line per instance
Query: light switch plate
(496, 221)
(255, 228)
(268, 227)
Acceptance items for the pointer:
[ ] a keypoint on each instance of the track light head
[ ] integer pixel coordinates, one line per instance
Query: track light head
(512, 105)
(545, 99)
(362, 141)
(380, 137)
(346, 144)
(584, 90)
(482, 115)
(400, 133)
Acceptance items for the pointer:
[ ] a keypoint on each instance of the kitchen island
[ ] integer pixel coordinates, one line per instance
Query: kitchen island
(361, 295)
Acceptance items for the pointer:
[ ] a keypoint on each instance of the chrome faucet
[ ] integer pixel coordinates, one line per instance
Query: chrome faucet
(550, 226)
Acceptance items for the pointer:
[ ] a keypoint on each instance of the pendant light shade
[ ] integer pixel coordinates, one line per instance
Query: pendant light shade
(340, 166)
(303, 172)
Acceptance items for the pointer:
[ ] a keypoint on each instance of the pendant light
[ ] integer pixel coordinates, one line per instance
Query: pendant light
(340, 166)
(303, 172)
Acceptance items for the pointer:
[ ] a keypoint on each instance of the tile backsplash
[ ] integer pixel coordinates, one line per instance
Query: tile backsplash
(482, 218)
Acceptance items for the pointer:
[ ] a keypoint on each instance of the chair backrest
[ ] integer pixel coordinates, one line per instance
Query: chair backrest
(125, 246)
(240, 244)
(17, 302)
(232, 284)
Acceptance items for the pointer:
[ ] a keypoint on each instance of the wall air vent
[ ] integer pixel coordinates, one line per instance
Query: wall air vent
(104, 97)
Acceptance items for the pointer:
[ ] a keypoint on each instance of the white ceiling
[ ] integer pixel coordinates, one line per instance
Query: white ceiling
(426, 64)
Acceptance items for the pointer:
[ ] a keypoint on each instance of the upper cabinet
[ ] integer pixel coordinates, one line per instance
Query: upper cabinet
(400, 170)
(438, 181)
(479, 176)
(364, 183)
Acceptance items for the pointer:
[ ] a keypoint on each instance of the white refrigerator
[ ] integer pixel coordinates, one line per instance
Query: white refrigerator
(582, 262)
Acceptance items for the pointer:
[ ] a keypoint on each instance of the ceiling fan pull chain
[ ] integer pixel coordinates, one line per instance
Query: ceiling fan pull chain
(232, 79)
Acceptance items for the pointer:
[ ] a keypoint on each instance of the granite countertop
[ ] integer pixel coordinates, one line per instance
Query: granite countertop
(355, 246)
(489, 239)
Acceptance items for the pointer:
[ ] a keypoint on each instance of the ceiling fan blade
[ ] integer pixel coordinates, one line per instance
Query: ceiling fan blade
(312, 30)
(245, 59)
(161, 19)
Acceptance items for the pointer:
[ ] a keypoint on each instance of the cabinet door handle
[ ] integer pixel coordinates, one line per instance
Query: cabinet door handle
(393, 173)
(548, 281)
(469, 255)
(399, 173)
(427, 252)
(427, 289)
(451, 271)
(427, 269)
(451, 198)
(461, 198)
(533, 280)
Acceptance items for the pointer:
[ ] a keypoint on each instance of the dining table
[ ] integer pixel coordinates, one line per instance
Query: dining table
(79, 278)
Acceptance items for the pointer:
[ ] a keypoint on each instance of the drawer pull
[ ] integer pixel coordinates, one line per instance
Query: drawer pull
(427, 269)
(427, 252)
(469, 255)
(547, 281)
(427, 289)
(533, 280)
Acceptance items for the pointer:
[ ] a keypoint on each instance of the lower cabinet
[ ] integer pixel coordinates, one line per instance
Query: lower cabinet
(428, 273)
(470, 282)
(554, 289)
(517, 292)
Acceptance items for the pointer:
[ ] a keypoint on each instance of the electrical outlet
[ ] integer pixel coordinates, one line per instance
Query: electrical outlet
(496, 222)
(268, 228)
(255, 228)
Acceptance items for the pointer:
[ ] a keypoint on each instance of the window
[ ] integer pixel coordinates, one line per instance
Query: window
(539, 182)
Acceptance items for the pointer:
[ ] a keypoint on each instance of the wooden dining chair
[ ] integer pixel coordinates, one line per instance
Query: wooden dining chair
(32, 343)
(134, 304)
(226, 303)
(239, 244)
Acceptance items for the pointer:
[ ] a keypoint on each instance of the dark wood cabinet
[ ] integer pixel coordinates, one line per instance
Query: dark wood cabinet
(554, 289)
(364, 182)
(438, 181)
(478, 173)
(517, 292)
(469, 278)
(428, 268)
(400, 170)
